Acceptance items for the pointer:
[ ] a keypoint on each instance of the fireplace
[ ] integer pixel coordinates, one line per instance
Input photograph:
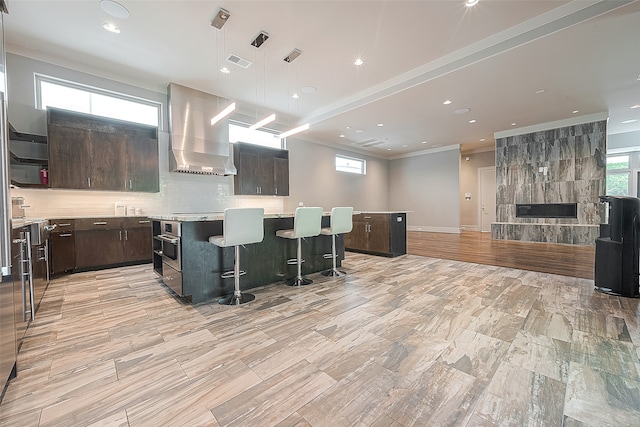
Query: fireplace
(547, 210)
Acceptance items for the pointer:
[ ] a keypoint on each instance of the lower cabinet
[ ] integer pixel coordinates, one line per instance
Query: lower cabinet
(102, 242)
(62, 246)
(378, 233)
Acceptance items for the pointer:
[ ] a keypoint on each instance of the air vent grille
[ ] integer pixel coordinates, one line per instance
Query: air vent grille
(241, 62)
(371, 142)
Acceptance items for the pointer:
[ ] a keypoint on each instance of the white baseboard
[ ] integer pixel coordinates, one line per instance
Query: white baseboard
(453, 230)
(470, 227)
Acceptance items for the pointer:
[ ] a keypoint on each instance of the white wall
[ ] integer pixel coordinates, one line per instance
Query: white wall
(469, 184)
(314, 180)
(429, 186)
(312, 177)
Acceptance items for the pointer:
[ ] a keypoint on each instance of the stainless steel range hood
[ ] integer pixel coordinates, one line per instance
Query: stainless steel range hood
(195, 145)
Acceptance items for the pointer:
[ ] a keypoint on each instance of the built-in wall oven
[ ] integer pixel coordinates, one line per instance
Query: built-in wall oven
(169, 238)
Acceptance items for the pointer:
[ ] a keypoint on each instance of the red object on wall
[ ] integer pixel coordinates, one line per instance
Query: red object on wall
(44, 177)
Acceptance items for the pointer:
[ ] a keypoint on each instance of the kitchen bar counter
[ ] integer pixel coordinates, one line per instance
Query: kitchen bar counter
(265, 263)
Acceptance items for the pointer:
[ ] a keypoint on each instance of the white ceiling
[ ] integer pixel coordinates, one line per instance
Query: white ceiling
(491, 58)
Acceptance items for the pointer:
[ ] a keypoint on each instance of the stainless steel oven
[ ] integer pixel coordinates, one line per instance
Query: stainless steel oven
(169, 238)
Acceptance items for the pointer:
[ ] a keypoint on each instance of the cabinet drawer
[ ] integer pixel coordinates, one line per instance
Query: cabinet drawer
(375, 217)
(134, 222)
(63, 225)
(98, 223)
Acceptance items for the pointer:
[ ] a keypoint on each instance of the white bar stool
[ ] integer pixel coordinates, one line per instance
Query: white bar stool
(306, 223)
(241, 226)
(341, 222)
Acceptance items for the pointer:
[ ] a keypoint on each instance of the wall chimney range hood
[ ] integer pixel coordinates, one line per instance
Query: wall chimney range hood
(196, 146)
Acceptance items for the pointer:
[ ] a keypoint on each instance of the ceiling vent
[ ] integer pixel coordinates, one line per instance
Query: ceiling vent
(293, 55)
(260, 39)
(241, 62)
(371, 142)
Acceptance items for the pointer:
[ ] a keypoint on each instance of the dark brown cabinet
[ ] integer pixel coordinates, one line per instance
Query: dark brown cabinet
(138, 242)
(89, 152)
(62, 247)
(112, 241)
(378, 233)
(262, 171)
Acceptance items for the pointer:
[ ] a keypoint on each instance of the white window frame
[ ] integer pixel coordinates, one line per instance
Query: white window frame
(40, 78)
(631, 185)
(275, 133)
(363, 165)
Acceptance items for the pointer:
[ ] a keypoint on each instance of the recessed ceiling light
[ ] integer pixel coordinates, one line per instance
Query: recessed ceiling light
(295, 96)
(482, 140)
(358, 61)
(341, 135)
(112, 28)
(423, 142)
(447, 102)
(359, 131)
(225, 70)
(629, 121)
(472, 121)
(540, 91)
(404, 145)
(513, 124)
(461, 111)
(308, 89)
(635, 106)
(380, 124)
(388, 149)
(348, 127)
(575, 112)
(114, 9)
(470, 3)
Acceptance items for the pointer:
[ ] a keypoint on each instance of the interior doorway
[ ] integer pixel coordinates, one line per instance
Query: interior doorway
(487, 200)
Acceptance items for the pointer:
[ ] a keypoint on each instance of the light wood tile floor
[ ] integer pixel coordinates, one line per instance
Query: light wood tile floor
(409, 341)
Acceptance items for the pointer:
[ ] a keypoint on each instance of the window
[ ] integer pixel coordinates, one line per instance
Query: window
(52, 92)
(351, 165)
(618, 175)
(241, 132)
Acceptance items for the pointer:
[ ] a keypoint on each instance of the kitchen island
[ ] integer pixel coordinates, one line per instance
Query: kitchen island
(201, 263)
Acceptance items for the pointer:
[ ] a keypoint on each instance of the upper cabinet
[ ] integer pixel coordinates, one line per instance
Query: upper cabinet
(262, 171)
(96, 153)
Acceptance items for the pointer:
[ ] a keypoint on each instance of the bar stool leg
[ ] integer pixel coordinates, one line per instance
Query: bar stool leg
(334, 272)
(299, 280)
(238, 297)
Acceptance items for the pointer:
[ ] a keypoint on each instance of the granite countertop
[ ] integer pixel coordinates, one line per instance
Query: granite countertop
(21, 222)
(219, 216)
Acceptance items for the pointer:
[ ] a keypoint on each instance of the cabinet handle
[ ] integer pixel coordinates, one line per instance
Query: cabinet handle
(100, 223)
(367, 217)
(126, 235)
(276, 191)
(120, 234)
(64, 225)
(65, 235)
(144, 221)
(130, 185)
(89, 181)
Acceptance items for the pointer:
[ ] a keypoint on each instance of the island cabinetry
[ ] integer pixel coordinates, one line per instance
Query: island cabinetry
(378, 233)
(104, 242)
(62, 247)
(94, 153)
(262, 171)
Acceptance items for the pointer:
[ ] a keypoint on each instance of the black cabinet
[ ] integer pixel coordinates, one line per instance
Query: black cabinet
(378, 233)
(95, 153)
(262, 171)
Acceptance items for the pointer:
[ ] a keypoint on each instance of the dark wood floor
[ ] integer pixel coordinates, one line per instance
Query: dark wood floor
(479, 248)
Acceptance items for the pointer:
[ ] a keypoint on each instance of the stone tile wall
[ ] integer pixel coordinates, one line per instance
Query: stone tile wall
(575, 158)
